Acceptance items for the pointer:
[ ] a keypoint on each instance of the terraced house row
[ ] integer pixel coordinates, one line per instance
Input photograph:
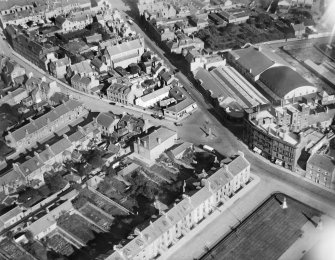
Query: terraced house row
(44, 126)
(160, 235)
(32, 171)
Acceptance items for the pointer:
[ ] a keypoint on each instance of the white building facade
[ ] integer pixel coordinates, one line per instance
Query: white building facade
(155, 239)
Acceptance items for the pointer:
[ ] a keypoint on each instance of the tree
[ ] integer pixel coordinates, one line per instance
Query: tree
(9, 234)
(95, 158)
(55, 182)
(27, 194)
(134, 68)
(29, 235)
(110, 171)
(84, 169)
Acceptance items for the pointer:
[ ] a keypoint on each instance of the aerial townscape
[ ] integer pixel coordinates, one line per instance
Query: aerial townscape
(168, 130)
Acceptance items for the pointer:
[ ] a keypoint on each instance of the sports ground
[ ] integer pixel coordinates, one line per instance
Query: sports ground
(266, 233)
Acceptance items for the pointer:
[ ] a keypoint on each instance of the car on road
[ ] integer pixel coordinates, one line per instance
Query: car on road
(112, 103)
(208, 148)
(158, 116)
(178, 124)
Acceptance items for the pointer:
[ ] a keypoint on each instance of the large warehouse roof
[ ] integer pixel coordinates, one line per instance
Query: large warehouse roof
(257, 60)
(282, 80)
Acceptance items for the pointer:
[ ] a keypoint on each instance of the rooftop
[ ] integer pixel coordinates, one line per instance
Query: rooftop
(106, 119)
(115, 50)
(322, 162)
(281, 80)
(158, 136)
(257, 60)
(10, 214)
(83, 67)
(46, 119)
(155, 94)
(180, 106)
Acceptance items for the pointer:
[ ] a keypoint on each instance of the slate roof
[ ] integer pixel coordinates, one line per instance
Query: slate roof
(257, 60)
(106, 119)
(181, 105)
(82, 67)
(62, 62)
(10, 177)
(117, 88)
(30, 165)
(60, 146)
(97, 62)
(78, 79)
(210, 84)
(154, 94)
(124, 47)
(42, 121)
(238, 165)
(162, 133)
(323, 162)
(10, 214)
(181, 148)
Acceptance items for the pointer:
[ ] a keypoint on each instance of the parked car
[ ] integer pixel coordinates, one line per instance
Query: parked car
(158, 116)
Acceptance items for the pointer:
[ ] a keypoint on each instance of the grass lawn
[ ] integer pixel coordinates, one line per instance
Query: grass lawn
(265, 234)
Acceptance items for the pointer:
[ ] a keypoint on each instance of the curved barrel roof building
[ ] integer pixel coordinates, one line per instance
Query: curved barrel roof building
(286, 83)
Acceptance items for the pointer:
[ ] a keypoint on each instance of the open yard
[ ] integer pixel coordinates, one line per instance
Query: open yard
(311, 53)
(233, 35)
(99, 218)
(12, 251)
(77, 227)
(88, 196)
(60, 245)
(265, 234)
